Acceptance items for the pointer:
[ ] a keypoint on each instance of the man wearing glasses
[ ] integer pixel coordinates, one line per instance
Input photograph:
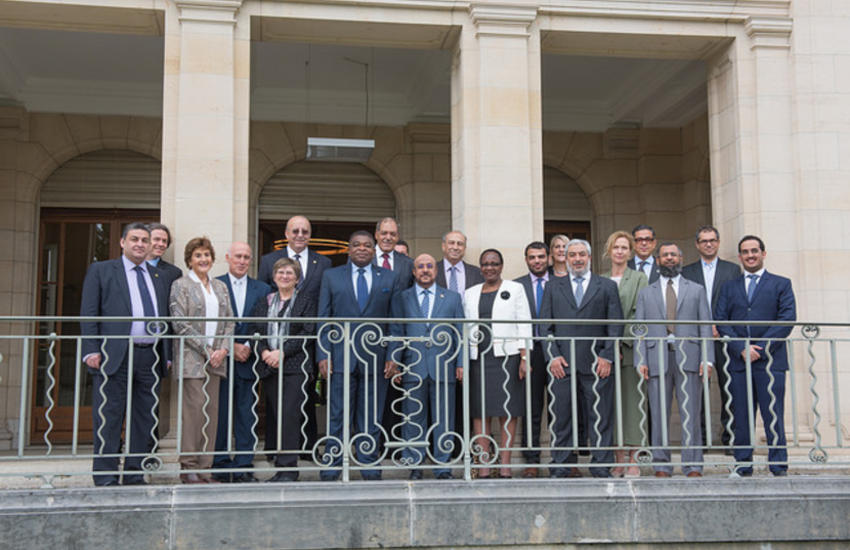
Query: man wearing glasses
(644, 236)
(711, 272)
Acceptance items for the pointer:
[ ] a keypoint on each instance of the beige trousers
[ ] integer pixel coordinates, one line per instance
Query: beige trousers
(197, 438)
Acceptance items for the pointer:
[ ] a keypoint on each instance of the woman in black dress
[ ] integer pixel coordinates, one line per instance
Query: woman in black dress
(286, 363)
(499, 364)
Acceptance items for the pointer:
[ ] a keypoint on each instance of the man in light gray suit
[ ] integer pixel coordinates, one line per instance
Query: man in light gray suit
(673, 356)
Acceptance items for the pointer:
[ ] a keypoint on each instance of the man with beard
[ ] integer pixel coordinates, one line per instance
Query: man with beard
(534, 283)
(686, 353)
(582, 295)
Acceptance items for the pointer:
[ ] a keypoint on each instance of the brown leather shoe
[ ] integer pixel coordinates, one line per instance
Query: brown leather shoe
(573, 472)
(529, 472)
(694, 473)
(191, 478)
(661, 474)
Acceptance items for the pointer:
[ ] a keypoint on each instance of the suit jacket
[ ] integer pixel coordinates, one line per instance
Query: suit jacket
(187, 300)
(473, 275)
(441, 353)
(773, 301)
(170, 272)
(298, 352)
(338, 299)
(316, 266)
(601, 301)
(402, 268)
(528, 288)
(691, 304)
(511, 305)
(106, 294)
(724, 271)
(653, 273)
(255, 292)
(630, 285)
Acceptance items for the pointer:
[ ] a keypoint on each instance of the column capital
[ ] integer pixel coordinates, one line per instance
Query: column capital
(769, 32)
(208, 11)
(502, 19)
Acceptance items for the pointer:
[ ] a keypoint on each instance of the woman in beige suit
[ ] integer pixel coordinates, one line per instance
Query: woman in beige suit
(620, 247)
(204, 358)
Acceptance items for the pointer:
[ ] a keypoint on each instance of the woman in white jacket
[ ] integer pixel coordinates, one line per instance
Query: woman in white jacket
(498, 359)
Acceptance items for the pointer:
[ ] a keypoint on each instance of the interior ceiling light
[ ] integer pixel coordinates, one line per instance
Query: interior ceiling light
(339, 149)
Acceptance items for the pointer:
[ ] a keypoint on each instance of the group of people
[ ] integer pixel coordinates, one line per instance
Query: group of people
(404, 371)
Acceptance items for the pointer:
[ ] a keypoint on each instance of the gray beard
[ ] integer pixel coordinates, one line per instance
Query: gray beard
(575, 273)
(670, 272)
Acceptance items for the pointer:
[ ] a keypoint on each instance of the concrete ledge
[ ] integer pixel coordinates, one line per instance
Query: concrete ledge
(430, 514)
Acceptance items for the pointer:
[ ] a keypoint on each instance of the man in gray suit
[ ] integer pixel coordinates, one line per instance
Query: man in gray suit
(386, 237)
(674, 356)
(711, 272)
(581, 295)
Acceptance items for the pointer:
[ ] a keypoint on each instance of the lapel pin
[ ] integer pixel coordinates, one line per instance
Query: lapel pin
(442, 295)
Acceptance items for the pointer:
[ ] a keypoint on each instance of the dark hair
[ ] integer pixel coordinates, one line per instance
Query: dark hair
(403, 243)
(387, 219)
(669, 243)
(643, 227)
(494, 251)
(536, 245)
(361, 233)
(196, 243)
(707, 228)
(133, 226)
(161, 227)
(751, 238)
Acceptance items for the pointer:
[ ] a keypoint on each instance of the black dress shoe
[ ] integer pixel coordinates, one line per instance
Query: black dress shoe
(243, 477)
(110, 483)
(445, 475)
(282, 477)
(415, 474)
(780, 473)
(134, 481)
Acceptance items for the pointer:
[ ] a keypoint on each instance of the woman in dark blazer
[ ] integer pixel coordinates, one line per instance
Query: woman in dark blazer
(620, 247)
(286, 365)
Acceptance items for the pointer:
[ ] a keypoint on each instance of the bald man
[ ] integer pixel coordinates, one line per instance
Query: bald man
(244, 292)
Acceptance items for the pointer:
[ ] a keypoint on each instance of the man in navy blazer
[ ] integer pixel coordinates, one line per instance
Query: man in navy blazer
(386, 237)
(244, 293)
(643, 260)
(124, 287)
(160, 241)
(757, 296)
(453, 268)
(582, 295)
(430, 367)
(357, 289)
(534, 282)
(313, 265)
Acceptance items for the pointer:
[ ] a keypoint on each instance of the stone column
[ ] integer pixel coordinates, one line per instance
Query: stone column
(205, 127)
(497, 166)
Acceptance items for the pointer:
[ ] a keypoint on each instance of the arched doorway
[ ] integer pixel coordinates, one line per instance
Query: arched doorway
(566, 209)
(337, 197)
(85, 204)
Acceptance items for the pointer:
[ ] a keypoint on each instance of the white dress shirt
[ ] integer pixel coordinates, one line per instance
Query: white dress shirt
(663, 281)
(211, 303)
(379, 257)
(709, 270)
(584, 283)
(647, 269)
(748, 281)
(240, 290)
(367, 274)
(302, 258)
(460, 275)
(420, 295)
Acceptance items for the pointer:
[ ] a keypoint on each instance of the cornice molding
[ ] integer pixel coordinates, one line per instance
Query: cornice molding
(737, 11)
(491, 19)
(769, 32)
(208, 11)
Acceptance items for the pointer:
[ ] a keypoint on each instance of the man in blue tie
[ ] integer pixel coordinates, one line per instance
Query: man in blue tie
(645, 242)
(125, 287)
(534, 283)
(757, 295)
(429, 367)
(358, 289)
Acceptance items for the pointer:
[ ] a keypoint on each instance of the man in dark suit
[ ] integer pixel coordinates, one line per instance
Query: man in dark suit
(711, 272)
(244, 293)
(431, 367)
(124, 287)
(757, 296)
(160, 241)
(298, 232)
(534, 283)
(357, 289)
(386, 237)
(452, 272)
(582, 295)
(643, 260)
(456, 275)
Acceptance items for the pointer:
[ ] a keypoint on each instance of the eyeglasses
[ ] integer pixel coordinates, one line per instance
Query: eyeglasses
(708, 241)
(424, 266)
(644, 239)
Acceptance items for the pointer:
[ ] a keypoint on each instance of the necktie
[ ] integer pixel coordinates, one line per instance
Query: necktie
(386, 264)
(579, 294)
(751, 290)
(671, 306)
(426, 303)
(147, 302)
(539, 295)
(642, 265)
(453, 279)
(362, 289)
